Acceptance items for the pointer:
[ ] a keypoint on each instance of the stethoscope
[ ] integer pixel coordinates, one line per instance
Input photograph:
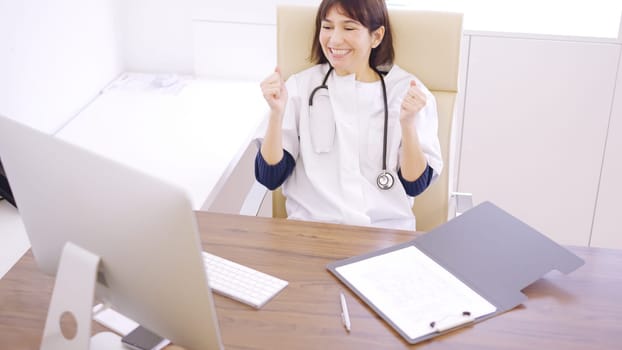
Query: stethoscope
(384, 180)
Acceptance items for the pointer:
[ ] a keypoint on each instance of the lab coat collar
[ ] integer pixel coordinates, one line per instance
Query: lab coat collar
(394, 72)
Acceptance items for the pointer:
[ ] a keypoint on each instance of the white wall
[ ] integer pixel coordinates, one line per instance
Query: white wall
(55, 56)
(157, 35)
(237, 39)
(606, 230)
(243, 11)
(246, 52)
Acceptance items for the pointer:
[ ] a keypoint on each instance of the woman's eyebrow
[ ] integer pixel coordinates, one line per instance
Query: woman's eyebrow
(349, 21)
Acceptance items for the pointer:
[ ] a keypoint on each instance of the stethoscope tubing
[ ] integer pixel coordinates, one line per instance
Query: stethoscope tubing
(386, 120)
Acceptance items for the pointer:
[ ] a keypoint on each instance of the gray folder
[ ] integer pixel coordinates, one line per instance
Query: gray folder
(489, 250)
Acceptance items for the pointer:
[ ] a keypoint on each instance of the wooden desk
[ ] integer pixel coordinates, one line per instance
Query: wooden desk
(580, 311)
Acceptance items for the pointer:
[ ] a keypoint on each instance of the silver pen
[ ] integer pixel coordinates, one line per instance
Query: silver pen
(345, 316)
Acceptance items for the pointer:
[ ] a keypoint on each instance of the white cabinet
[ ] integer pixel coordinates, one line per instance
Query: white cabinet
(607, 230)
(535, 123)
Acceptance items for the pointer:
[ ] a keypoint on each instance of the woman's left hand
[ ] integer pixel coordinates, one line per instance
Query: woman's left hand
(413, 102)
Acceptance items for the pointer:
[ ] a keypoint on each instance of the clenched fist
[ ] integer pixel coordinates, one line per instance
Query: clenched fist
(413, 102)
(274, 91)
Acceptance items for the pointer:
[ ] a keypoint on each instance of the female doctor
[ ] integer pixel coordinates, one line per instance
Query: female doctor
(341, 133)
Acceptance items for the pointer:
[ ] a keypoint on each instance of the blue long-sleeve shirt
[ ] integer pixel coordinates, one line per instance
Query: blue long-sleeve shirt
(273, 176)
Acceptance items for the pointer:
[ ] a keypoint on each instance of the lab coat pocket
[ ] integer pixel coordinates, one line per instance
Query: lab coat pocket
(321, 122)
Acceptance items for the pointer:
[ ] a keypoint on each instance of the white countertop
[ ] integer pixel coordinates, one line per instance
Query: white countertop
(186, 130)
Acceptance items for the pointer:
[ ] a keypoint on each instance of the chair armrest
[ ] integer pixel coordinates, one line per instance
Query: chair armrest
(461, 201)
(254, 199)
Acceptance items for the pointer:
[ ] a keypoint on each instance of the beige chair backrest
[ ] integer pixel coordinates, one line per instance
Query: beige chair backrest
(426, 44)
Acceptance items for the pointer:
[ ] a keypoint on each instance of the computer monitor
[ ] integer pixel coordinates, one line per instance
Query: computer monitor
(143, 229)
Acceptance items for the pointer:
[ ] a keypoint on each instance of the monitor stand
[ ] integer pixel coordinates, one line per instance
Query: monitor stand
(72, 302)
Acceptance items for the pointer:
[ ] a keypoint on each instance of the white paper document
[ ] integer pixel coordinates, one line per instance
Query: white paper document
(413, 291)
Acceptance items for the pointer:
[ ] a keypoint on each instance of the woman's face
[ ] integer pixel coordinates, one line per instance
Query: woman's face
(347, 44)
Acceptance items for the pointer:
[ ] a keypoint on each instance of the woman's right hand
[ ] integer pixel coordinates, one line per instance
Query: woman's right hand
(275, 93)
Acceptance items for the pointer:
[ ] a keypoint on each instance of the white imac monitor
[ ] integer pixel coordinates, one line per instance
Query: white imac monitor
(142, 230)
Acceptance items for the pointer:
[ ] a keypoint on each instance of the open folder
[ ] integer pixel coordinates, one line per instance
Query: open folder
(467, 270)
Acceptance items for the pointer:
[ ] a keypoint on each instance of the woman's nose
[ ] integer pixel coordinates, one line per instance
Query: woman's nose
(336, 37)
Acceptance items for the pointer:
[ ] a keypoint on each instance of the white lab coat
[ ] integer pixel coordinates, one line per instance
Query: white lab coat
(335, 176)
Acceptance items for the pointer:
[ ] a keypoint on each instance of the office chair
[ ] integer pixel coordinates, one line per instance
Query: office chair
(426, 44)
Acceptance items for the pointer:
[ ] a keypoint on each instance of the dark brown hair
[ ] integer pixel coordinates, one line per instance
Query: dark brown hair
(372, 14)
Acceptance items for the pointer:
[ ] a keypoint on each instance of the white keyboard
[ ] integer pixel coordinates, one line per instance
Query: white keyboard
(240, 282)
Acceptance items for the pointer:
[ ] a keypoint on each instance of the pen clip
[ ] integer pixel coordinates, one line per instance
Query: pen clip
(450, 322)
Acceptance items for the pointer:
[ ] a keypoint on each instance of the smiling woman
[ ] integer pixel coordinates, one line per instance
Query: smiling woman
(343, 132)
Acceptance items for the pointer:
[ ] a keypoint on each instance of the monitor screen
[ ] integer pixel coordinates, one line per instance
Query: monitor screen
(143, 229)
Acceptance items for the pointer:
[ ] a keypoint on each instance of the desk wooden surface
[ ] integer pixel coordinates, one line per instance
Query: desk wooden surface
(582, 310)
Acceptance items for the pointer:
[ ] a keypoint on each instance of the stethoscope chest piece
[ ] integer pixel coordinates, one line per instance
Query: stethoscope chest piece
(385, 180)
